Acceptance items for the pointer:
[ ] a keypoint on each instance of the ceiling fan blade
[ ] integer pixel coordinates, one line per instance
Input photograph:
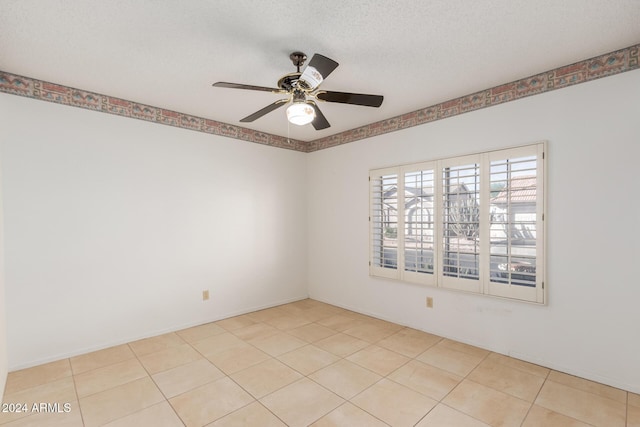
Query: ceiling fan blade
(320, 121)
(249, 87)
(269, 108)
(351, 98)
(318, 69)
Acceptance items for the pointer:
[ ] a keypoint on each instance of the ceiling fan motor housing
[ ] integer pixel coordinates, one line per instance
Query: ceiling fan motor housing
(289, 81)
(298, 95)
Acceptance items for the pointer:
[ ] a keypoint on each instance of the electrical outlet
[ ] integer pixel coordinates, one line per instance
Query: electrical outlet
(429, 302)
(205, 295)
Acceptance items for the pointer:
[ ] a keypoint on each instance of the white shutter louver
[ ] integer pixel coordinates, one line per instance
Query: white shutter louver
(384, 224)
(419, 224)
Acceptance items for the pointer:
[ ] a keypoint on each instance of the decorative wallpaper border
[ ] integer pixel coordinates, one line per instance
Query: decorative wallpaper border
(600, 66)
(38, 89)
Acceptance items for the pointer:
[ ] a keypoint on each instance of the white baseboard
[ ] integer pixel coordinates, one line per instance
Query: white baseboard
(128, 339)
(527, 358)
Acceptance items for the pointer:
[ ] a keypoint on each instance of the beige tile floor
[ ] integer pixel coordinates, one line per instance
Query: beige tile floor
(307, 363)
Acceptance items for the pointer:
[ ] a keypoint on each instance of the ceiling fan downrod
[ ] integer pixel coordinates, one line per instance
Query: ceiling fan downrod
(298, 59)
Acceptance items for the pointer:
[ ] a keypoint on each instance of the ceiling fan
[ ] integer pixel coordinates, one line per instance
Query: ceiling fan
(301, 90)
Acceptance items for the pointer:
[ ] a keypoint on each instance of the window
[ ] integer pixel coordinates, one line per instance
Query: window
(472, 223)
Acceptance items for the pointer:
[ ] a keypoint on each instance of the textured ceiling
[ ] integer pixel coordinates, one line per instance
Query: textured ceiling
(167, 53)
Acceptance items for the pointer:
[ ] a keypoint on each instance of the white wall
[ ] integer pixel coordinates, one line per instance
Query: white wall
(591, 325)
(4, 364)
(115, 226)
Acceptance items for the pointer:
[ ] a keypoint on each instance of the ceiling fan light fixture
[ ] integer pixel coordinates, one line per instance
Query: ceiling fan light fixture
(300, 113)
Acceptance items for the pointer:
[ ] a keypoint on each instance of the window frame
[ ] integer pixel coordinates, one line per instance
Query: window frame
(483, 285)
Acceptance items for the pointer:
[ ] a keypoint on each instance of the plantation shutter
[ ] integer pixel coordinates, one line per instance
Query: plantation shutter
(419, 223)
(471, 223)
(460, 246)
(515, 211)
(383, 223)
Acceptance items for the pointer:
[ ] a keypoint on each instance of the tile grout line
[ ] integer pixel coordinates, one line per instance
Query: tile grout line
(357, 394)
(271, 357)
(278, 360)
(339, 358)
(166, 399)
(626, 413)
(441, 401)
(204, 357)
(75, 389)
(386, 377)
(303, 376)
(536, 397)
(383, 377)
